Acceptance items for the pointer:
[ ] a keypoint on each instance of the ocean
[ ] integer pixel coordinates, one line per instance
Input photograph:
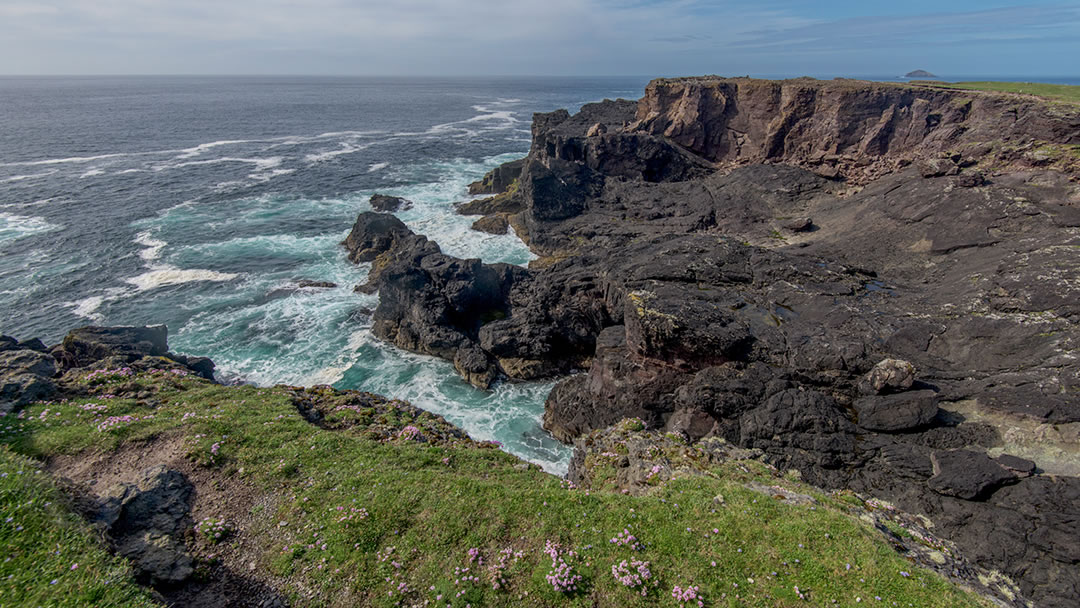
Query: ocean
(201, 203)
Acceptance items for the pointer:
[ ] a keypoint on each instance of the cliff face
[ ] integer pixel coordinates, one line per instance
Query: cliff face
(845, 128)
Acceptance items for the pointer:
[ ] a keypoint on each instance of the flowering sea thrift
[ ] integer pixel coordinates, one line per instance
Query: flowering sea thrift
(214, 529)
(497, 570)
(624, 538)
(561, 576)
(633, 575)
(115, 421)
(408, 433)
(100, 376)
(689, 595)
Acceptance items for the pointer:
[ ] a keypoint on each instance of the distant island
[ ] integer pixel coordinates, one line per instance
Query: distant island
(920, 74)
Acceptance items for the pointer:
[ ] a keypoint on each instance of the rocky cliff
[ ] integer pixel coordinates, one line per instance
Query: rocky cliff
(852, 129)
(873, 284)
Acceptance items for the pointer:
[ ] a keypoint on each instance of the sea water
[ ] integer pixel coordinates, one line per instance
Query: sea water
(201, 203)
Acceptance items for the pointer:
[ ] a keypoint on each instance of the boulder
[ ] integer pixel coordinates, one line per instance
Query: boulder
(888, 376)
(596, 130)
(389, 204)
(937, 167)
(797, 224)
(147, 521)
(966, 474)
(897, 412)
(309, 284)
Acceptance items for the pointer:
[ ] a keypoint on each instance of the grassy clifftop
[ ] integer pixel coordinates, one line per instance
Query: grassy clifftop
(1057, 92)
(327, 498)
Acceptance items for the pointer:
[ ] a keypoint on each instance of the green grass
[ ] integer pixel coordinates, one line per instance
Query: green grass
(1058, 92)
(426, 504)
(48, 555)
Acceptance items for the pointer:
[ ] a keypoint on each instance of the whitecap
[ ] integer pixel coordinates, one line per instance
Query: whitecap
(153, 246)
(87, 308)
(14, 227)
(377, 167)
(92, 173)
(19, 178)
(163, 275)
(199, 149)
(59, 161)
(269, 175)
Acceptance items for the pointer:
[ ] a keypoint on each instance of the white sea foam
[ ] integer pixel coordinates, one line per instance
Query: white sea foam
(87, 308)
(14, 227)
(377, 167)
(153, 246)
(163, 275)
(92, 173)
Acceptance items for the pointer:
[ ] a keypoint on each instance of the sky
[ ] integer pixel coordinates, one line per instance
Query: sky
(820, 38)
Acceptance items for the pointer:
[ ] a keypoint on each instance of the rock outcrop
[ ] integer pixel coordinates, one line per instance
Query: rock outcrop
(29, 371)
(389, 204)
(26, 373)
(147, 521)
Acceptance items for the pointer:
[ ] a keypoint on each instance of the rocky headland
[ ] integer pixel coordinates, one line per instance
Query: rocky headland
(875, 285)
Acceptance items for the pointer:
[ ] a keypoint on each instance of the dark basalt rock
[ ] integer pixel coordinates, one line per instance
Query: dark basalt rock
(142, 348)
(388, 204)
(85, 346)
(374, 234)
(966, 474)
(429, 302)
(310, 284)
(1019, 466)
(899, 412)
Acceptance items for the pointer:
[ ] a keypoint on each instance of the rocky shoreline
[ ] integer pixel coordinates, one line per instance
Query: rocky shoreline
(873, 284)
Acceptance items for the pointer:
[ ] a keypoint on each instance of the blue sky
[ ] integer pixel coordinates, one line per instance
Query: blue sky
(539, 37)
